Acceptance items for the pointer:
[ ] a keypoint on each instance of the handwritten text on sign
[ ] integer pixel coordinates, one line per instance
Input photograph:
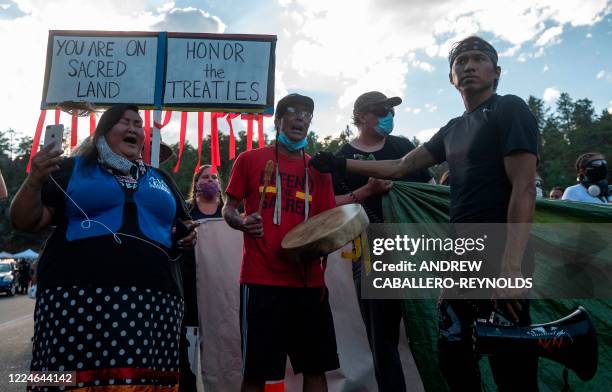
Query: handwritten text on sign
(217, 71)
(103, 69)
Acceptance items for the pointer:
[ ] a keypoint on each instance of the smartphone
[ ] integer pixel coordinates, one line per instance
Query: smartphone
(54, 134)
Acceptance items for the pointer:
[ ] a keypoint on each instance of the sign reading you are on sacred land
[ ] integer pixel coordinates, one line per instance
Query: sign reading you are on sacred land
(161, 70)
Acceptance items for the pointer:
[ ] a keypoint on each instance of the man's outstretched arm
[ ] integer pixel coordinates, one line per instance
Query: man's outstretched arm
(417, 159)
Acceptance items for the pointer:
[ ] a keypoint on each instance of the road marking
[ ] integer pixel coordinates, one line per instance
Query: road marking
(16, 321)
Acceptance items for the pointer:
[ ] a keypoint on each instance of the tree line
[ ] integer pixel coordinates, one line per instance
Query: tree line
(569, 129)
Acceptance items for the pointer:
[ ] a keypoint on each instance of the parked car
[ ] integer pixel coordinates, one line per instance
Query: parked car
(7, 278)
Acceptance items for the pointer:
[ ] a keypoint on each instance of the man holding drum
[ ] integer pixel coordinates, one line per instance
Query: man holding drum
(284, 306)
(491, 152)
(373, 115)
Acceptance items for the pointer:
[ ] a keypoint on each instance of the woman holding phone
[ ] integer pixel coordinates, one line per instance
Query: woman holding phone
(109, 300)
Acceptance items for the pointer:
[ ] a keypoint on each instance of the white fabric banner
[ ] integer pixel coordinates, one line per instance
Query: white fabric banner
(218, 258)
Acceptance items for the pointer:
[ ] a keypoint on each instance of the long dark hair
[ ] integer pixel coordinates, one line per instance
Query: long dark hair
(109, 118)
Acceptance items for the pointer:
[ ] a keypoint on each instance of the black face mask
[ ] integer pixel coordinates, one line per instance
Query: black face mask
(595, 179)
(596, 173)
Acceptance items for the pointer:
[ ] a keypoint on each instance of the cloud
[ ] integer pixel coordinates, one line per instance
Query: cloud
(190, 20)
(423, 65)
(601, 75)
(546, 68)
(523, 57)
(551, 94)
(387, 77)
(413, 110)
(337, 48)
(10, 10)
(610, 107)
(511, 51)
(425, 134)
(341, 61)
(576, 12)
(430, 107)
(550, 36)
(539, 53)
(166, 7)
(26, 74)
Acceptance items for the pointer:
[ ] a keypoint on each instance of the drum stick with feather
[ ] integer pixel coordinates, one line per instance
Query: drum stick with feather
(267, 175)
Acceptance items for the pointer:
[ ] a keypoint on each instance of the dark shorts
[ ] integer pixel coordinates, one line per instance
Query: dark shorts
(277, 321)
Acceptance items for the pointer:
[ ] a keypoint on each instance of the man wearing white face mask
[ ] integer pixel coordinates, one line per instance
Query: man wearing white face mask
(373, 115)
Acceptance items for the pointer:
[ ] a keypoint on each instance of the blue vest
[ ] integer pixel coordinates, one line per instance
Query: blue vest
(99, 194)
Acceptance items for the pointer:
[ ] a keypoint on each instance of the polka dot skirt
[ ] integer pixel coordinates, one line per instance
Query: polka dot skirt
(108, 335)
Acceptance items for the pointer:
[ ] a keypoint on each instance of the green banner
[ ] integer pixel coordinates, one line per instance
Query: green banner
(423, 203)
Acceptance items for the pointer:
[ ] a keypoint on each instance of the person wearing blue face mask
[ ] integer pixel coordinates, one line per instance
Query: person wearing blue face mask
(373, 115)
(284, 305)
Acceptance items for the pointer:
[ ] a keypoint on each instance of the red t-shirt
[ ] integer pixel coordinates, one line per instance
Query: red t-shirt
(262, 261)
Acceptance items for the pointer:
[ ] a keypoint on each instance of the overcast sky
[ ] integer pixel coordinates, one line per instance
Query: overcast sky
(336, 50)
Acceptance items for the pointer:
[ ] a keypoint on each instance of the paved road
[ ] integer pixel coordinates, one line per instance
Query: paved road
(16, 329)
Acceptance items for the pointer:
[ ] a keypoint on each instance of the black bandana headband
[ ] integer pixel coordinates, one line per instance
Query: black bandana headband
(472, 43)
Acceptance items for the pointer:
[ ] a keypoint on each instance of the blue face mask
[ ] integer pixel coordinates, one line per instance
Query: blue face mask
(291, 145)
(385, 125)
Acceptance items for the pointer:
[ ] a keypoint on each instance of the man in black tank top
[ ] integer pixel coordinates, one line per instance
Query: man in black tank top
(491, 151)
(373, 116)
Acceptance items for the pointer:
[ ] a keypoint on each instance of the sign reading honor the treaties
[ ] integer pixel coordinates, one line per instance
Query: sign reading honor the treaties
(161, 70)
(100, 68)
(215, 71)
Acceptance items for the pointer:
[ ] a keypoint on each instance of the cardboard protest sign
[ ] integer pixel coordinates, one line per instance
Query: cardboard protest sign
(102, 68)
(219, 71)
(201, 72)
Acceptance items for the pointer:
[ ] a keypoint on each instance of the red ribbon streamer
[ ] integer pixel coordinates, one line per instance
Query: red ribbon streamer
(74, 129)
(92, 124)
(215, 156)
(200, 136)
(165, 122)
(147, 138)
(260, 133)
(36, 141)
(260, 130)
(232, 138)
(57, 115)
(181, 140)
(249, 117)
